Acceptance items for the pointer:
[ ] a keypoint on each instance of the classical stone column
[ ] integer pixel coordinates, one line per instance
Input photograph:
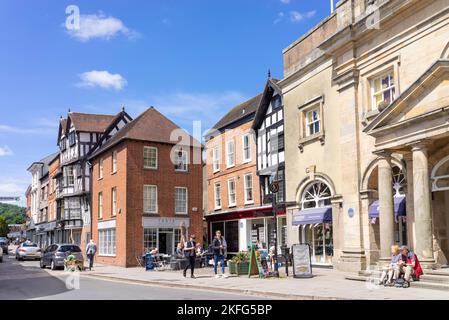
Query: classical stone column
(422, 203)
(408, 157)
(386, 209)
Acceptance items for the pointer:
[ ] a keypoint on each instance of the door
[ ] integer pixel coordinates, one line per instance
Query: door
(162, 242)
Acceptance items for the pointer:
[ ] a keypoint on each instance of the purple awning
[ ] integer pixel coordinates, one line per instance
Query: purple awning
(399, 208)
(312, 216)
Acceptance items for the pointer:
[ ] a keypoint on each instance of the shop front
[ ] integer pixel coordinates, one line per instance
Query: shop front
(164, 233)
(315, 229)
(246, 227)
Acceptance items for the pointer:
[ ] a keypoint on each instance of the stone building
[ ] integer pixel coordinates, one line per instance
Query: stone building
(366, 133)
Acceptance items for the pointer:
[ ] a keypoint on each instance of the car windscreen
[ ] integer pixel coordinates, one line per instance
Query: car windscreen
(29, 245)
(69, 248)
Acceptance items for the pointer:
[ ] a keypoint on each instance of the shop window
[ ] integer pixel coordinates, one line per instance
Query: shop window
(107, 242)
(231, 234)
(316, 195)
(149, 239)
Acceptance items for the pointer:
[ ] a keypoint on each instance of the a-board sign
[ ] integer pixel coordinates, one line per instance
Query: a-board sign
(302, 264)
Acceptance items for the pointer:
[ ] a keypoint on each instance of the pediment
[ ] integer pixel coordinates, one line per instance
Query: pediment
(426, 95)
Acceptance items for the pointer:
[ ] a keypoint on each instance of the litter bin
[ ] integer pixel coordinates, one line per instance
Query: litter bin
(149, 262)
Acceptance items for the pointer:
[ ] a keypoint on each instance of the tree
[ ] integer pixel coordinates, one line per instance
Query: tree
(3, 227)
(12, 214)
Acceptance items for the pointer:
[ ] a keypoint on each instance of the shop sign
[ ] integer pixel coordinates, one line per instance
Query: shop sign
(302, 264)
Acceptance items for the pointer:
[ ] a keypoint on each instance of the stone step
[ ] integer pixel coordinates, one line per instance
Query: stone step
(439, 272)
(434, 278)
(430, 285)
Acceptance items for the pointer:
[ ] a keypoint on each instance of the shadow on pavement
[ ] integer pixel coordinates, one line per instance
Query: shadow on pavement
(20, 281)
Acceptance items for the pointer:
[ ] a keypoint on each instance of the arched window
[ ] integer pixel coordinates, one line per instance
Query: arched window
(398, 182)
(440, 175)
(318, 194)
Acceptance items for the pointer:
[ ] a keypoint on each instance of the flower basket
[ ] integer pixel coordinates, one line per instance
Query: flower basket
(239, 265)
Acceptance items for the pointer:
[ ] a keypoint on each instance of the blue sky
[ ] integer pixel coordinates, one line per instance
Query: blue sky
(191, 59)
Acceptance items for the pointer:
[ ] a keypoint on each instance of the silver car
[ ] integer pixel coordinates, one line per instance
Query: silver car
(28, 250)
(55, 254)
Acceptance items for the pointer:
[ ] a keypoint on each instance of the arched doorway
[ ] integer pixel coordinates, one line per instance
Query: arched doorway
(315, 221)
(440, 207)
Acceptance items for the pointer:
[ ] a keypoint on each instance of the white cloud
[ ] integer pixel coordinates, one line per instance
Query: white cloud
(4, 128)
(5, 151)
(102, 79)
(279, 18)
(100, 26)
(14, 187)
(285, 1)
(296, 16)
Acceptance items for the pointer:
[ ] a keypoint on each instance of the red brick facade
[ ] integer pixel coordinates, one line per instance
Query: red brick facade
(130, 178)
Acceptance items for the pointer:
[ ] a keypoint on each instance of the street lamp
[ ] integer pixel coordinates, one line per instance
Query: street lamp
(274, 189)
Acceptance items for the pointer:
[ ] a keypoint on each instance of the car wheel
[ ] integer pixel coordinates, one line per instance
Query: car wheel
(52, 265)
(42, 265)
(1, 259)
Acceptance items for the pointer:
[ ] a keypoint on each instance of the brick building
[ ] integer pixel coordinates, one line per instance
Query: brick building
(146, 190)
(235, 204)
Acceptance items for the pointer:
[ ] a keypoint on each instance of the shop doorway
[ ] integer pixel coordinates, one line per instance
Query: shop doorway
(165, 238)
(319, 237)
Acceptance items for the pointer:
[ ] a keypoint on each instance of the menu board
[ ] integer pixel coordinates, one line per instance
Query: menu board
(302, 264)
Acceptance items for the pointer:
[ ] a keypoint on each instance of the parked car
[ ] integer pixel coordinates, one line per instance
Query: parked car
(1, 255)
(55, 254)
(4, 246)
(28, 250)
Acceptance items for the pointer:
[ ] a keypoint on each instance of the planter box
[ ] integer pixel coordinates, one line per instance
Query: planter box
(238, 269)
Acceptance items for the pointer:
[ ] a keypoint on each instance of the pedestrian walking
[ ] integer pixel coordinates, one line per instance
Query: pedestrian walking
(91, 250)
(190, 254)
(219, 246)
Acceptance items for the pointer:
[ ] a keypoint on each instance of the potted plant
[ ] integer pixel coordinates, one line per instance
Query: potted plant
(239, 264)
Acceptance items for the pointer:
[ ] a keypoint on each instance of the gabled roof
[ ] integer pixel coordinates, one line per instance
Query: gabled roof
(152, 126)
(44, 162)
(85, 122)
(432, 74)
(62, 128)
(270, 89)
(239, 112)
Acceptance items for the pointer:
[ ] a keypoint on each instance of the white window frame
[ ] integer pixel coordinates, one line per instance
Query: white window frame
(184, 159)
(149, 210)
(101, 168)
(232, 203)
(100, 205)
(247, 188)
(114, 162)
(114, 201)
(217, 196)
(309, 125)
(230, 154)
(390, 88)
(147, 151)
(216, 158)
(244, 148)
(186, 200)
(107, 242)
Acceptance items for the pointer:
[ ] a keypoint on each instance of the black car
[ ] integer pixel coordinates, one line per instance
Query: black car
(4, 246)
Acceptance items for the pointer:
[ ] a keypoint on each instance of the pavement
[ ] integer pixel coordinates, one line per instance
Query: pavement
(21, 280)
(325, 284)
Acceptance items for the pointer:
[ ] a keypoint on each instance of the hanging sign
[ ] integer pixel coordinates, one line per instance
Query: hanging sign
(302, 264)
